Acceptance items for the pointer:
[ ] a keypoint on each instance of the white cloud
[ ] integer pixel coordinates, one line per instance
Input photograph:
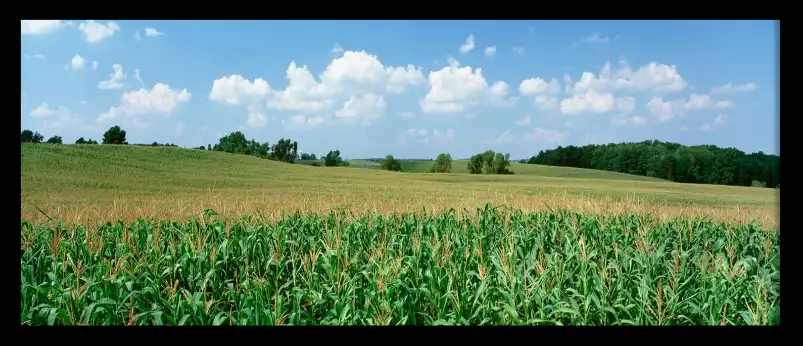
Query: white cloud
(424, 136)
(535, 86)
(95, 32)
(589, 101)
(634, 120)
(34, 56)
(626, 104)
(536, 135)
(546, 102)
(666, 110)
(705, 128)
(300, 121)
(337, 49)
(490, 51)
(137, 76)
(658, 78)
(544, 135)
(115, 79)
(593, 38)
(40, 27)
(524, 121)
(180, 128)
(518, 50)
(236, 90)
(468, 46)
(95, 65)
(160, 100)
(53, 117)
(721, 119)
(368, 107)
(152, 32)
(77, 62)
(730, 88)
(256, 116)
(405, 114)
(358, 71)
(455, 89)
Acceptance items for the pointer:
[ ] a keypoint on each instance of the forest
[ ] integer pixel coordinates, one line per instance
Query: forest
(702, 164)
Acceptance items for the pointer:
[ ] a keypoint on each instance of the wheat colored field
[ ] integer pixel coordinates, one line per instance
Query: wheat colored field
(93, 184)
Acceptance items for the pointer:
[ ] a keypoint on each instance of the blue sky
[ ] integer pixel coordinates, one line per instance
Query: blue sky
(408, 88)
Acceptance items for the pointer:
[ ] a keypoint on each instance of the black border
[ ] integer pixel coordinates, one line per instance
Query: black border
(406, 10)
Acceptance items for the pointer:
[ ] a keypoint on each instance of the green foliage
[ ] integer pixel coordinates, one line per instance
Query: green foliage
(333, 159)
(391, 164)
(80, 140)
(495, 267)
(756, 183)
(443, 164)
(315, 164)
(28, 136)
(285, 151)
(54, 140)
(201, 148)
(115, 135)
(209, 147)
(490, 162)
(707, 164)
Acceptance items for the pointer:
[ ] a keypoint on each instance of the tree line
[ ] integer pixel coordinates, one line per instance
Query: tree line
(703, 164)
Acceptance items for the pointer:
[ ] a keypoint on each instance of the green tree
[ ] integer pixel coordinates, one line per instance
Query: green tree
(391, 164)
(312, 157)
(501, 164)
(80, 140)
(209, 147)
(333, 159)
(115, 135)
(54, 140)
(443, 164)
(475, 164)
(28, 136)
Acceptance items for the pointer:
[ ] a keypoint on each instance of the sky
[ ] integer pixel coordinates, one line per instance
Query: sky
(412, 89)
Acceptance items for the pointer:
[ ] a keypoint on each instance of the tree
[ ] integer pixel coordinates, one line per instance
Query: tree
(91, 141)
(333, 159)
(234, 143)
(54, 140)
(475, 164)
(391, 164)
(285, 150)
(28, 136)
(80, 141)
(201, 148)
(209, 147)
(501, 164)
(115, 135)
(312, 157)
(443, 164)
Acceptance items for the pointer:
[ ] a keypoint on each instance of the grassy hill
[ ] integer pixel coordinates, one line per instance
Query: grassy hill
(105, 182)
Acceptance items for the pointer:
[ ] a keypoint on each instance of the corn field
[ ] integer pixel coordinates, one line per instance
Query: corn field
(493, 266)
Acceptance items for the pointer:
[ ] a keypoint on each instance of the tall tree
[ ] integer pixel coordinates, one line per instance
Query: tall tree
(28, 136)
(115, 135)
(443, 164)
(54, 140)
(391, 164)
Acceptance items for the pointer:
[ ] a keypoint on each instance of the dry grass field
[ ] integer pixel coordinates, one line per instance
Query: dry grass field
(92, 184)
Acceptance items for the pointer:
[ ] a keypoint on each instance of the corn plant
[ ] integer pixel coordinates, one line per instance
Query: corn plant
(494, 266)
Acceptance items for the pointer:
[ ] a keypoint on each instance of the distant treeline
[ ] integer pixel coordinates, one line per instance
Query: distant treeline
(703, 164)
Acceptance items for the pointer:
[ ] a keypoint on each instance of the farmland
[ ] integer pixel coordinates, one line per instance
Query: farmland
(210, 238)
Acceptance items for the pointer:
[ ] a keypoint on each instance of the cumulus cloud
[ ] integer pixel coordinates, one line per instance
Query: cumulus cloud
(455, 89)
(731, 88)
(337, 49)
(159, 100)
(720, 119)
(115, 80)
(524, 121)
(303, 122)
(490, 51)
(77, 62)
(655, 77)
(367, 107)
(666, 110)
(137, 76)
(40, 27)
(95, 32)
(152, 32)
(405, 114)
(468, 46)
(236, 90)
(56, 117)
(542, 90)
(592, 101)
